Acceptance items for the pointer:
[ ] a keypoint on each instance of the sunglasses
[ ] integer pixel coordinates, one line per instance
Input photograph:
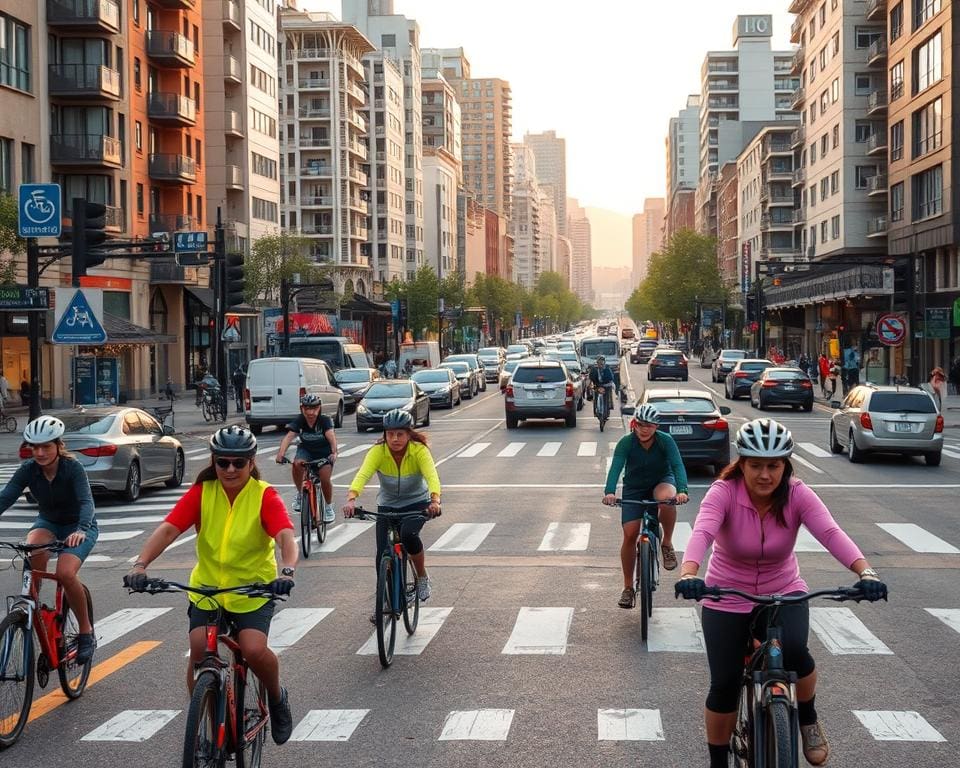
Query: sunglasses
(240, 463)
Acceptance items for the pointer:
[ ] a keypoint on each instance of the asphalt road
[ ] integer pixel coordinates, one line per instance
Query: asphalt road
(523, 657)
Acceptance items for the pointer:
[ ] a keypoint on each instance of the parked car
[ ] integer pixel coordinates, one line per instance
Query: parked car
(353, 382)
(695, 421)
(440, 384)
(386, 395)
(667, 364)
(507, 371)
(492, 359)
(466, 377)
(276, 384)
(476, 365)
(121, 449)
(782, 386)
(642, 351)
(723, 363)
(880, 419)
(540, 389)
(742, 376)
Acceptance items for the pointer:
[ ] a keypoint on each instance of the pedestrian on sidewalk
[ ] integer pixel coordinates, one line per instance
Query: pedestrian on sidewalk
(4, 389)
(936, 385)
(24, 390)
(824, 365)
(835, 373)
(851, 368)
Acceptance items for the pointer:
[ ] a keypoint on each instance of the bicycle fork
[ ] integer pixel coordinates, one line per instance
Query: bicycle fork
(212, 664)
(398, 578)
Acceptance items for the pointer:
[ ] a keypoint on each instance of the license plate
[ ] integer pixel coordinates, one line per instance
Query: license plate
(536, 394)
(789, 386)
(681, 429)
(903, 427)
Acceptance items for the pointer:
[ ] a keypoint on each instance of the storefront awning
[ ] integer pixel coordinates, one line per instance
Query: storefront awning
(202, 295)
(362, 304)
(121, 331)
(867, 280)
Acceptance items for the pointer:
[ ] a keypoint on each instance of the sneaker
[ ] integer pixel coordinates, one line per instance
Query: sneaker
(329, 516)
(296, 504)
(86, 645)
(627, 598)
(816, 749)
(281, 718)
(423, 588)
(669, 557)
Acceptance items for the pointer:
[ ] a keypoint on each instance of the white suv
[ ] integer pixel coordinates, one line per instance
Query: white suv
(540, 389)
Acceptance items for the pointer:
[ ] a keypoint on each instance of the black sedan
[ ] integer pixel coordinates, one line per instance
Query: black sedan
(440, 384)
(782, 386)
(667, 364)
(695, 421)
(742, 376)
(384, 396)
(353, 382)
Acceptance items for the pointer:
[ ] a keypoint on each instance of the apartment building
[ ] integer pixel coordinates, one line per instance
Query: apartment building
(682, 160)
(733, 258)
(550, 153)
(564, 258)
(647, 236)
(324, 182)
(525, 224)
(444, 244)
(581, 265)
(923, 220)
(548, 232)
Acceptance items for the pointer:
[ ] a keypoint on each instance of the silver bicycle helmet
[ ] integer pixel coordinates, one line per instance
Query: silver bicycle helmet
(233, 441)
(764, 439)
(397, 419)
(45, 429)
(601, 359)
(647, 414)
(310, 399)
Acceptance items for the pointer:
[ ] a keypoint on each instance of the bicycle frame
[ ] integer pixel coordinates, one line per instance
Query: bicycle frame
(28, 601)
(311, 480)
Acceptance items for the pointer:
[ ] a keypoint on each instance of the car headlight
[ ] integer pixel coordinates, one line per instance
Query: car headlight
(442, 390)
(363, 410)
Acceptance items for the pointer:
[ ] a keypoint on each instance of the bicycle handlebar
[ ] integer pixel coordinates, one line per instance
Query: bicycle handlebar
(25, 549)
(840, 594)
(155, 586)
(317, 463)
(674, 502)
(362, 514)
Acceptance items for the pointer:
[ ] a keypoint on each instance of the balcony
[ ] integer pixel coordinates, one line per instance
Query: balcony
(799, 177)
(316, 201)
(233, 177)
(777, 147)
(314, 84)
(773, 196)
(309, 54)
(876, 10)
(356, 91)
(321, 170)
(359, 204)
(877, 185)
(85, 149)
(233, 124)
(799, 217)
(114, 219)
(84, 15)
(316, 229)
(877, 143)
(768, 222)
(359, 176)
(798, 137)
(178, 169)
(778, 173)
(877, 52)
(798, 97)
(779, 252)
(176, 5)
(171, 222)
(359, 149)
(314, 142)
(172, 109)
(797, 6)
(877, 103)
(315, 113)
(722, 86)
(232, 73)
(796, 29)
(358, 120)
(231, 15)
(170, 49)
(84, 81)
(796, 63)
(877, 226)
(167, 272)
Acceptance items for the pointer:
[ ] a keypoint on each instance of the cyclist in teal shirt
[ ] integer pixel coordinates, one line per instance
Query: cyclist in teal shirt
(652, 469)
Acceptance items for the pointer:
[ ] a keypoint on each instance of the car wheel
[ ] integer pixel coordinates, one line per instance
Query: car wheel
(178, 466)
(726, 394)
(760, 404)
(338, 421)
(718, 468)
(426, 420)
(512, 421)
(256, 429)
(932, 458)
(571, 420)
(853, 453)
(580, 404)
(808, 407)
(131, 491)
(834, 444)
(361, 429)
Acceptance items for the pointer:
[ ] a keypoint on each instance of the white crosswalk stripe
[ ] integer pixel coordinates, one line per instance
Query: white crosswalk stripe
(462, 537)
(512, 449)
(124, 621)
(629, 725)
(587, 449)
(540, 631)
(886, 725)
(949, 616)
(842, 633)
(431, 620)
(549, 449)
(328, 724)
(352, 451)
(815, 450)
(132, 725)
(473, 450)
(340, 535)
(918, 539)
(565, 537)
(477, 725)
(675, 630)
(291, 624)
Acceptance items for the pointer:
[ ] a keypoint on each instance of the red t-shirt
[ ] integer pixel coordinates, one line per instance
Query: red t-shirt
(186, 512)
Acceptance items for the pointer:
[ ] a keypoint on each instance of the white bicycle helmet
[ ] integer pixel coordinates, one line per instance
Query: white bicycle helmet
(764, 439)
(45, 429)
(647, 414)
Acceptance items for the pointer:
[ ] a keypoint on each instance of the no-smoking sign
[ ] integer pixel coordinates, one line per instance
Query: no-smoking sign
(891, 330)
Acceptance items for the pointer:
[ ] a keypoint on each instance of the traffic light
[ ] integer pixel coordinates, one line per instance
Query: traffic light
(751, 307)
(235, 283)
(88, 232)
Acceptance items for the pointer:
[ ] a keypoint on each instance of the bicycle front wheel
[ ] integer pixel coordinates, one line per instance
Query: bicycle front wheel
(205, 408)
(73, 676)
(321, 525)
(780, 748)
(250, 719)
(306, 523)
(385, 616)
(645, 593)
(10, 423)
(410, 596)
(200, 740)
(16, 676)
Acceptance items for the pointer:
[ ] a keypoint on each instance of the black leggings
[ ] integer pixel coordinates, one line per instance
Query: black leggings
(409, 530)
(726, 634)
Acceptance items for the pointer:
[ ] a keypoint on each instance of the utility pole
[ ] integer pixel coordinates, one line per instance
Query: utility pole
(219, 301)
(33, 327)
(285, 307)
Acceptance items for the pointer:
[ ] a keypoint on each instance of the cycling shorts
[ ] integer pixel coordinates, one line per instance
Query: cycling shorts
(304, 454)
(630, 512)
(60, 532)
(259, 619)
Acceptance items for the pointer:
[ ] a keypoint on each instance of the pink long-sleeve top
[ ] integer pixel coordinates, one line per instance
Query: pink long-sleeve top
(755, 555)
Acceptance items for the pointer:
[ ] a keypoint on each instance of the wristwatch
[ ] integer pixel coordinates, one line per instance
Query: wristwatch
(869, 573)
(286, 571)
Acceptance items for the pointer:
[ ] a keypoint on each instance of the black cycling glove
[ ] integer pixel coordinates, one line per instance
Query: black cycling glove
(281, 586)
(691, 589)
(136, 581)
(872, 589)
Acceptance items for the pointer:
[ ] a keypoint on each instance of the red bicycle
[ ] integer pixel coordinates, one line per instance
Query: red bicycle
(311, 513)
(57, 631)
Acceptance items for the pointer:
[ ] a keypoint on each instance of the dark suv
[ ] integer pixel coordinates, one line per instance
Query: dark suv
(641, 353)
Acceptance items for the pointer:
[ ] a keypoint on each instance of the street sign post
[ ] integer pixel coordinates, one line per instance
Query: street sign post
(891, 330)
(190, 242)
(20, 298)
(39, 210)
(80, 321)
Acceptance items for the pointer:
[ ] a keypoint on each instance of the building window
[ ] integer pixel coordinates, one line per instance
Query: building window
(863, 85)
(27, 155)
(138, 135)
(824, 231)
(865, 36)
(924, 10)
(813, 153)
(834, 182)
(928, 63)
(835, 227)
(928, 128)
(140, 200)
(835, 90)
(265, 210)
(896, 81)
(896, 22)
(137, 75)
(862, 132)
(823, 15)
(835, 45)
(824, 188)
(896, 141)
(388, 41)
(813, 195)
(896, 202)
(863, 175)
(14, 53)
(824, 144)
(136, 12)
(836, 136)
(6, 164)
(928, 193)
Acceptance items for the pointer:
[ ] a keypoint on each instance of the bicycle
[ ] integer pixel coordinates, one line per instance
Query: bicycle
(7, 423)
(601, 408)
(767, 731)
(646, 574)
(311, 515)
(56, 630)
(396, 585)
(229, 713)
(213, 405)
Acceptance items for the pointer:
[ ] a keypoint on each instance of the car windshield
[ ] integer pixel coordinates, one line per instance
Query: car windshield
(532, 374)
(754, 366)
(430, 377)
(682, 404)
(461, 359)
(87, 423)
(514, 349)
(510, 366)
(395, 389)
(788, 373)
(458, 368)
(489, 352)
(594, 348)
(352, 375)
(901, 402)
(732, 354)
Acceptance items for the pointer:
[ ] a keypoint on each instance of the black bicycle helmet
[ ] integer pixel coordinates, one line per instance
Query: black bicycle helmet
(310, 400)
(397, 419)
(233, 441)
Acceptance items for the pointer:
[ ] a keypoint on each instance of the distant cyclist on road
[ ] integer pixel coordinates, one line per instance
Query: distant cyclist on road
(317, 441)
(652, 469)
(603, 381)
(751, 515)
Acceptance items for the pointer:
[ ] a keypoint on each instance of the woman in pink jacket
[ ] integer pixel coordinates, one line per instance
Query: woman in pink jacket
(751, 516)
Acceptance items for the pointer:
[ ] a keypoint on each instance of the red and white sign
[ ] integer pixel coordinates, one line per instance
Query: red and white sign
(891, 330)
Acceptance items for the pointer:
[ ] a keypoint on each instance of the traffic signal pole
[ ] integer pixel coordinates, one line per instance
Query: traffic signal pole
(218, 273)
(33, 327)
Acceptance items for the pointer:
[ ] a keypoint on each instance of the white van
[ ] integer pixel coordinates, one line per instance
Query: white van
(276, 384)
(420, 354)
(337, 351)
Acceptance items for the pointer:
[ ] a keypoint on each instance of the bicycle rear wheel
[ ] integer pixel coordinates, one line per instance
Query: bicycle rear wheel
(73, 676)
(16, 676)
(386, 618)
(251, 720)
(10, 423)
(200, 739)
(205, 408)
(741, 740)
(780, 748)
(410, 596)
(645, 595)
(321, 525)
(306, 523)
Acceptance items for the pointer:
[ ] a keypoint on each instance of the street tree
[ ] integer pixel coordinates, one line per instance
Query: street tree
(274, 258)
(11, 244)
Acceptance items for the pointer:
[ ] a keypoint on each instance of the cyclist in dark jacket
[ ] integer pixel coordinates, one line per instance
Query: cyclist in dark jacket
(601, 375)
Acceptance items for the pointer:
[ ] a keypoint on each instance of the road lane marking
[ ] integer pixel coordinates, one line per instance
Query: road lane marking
(549, 449)
(512, 449)
(951, 454)
(949, 616)
(195, 451)
(807, 464)
(431, 619)
(124, 621)
(343, 455)
(565, 537)
(328, 724)
(104, 669)
(918, 539)
(291, 624)
(629, 725)
(842, 633)
(681, 536)
(815, 450)
(587, 449)
(118, 535)
(473, 450)
(888, 725)
(132, 725)
(462, 537)
(540, 631)
(806, 542)
(675, 630)
(343, 534)
(477, 725)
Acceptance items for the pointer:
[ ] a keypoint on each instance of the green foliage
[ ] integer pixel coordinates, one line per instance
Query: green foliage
(501, 298)
(679, 275)
(11, 245)
(275, 257)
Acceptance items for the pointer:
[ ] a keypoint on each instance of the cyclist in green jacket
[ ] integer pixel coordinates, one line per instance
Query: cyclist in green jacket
(652, 469)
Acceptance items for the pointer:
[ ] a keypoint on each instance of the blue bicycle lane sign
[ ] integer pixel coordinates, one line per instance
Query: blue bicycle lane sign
(39, 211)
(79, 324)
